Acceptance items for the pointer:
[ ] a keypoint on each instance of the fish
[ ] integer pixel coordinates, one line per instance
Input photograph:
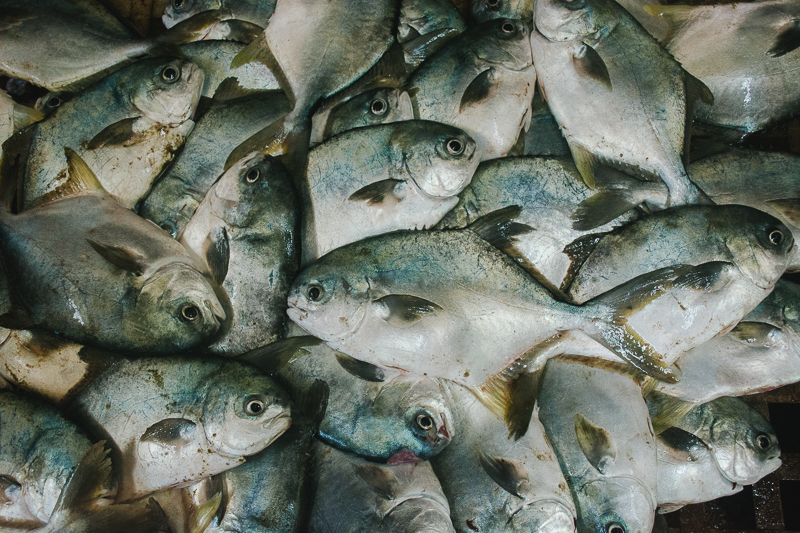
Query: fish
(239, 20)
(372, 180)
(608, 460)
(582, 54)
(544, 137)
(379, 414)
(175, 197)
(355, 495)
(687, 473)
(423, 17)
(171, 421)
(126, 136)
(483, 10)
(105, 277)
(246, 230)
(742, 442)
(746, 54)
(495, 482)
(655, 25)
(490, 97)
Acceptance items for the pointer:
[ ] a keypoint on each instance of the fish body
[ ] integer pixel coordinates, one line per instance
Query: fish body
(214, 58)
(495, 482)
(655, 25)
(608, 460)
(172, 421)
(126, 127)
(246, 229)
(490, 96)
(369, 181)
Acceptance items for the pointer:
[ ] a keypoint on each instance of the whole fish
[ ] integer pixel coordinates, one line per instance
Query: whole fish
(126, 127)
(246, 229)
(105, 277)
(382, 415)
(619, 110)
(175, 197)
(172, 420)
(355, 495)
(742, 442)
(496, 483)
(239, 20)
(490, 95)
(745, 53)
(373, 180)
(609, 460)
(483, 10)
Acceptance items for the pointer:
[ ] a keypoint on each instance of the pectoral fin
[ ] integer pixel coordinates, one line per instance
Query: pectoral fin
(787, 41)
(120, 256)
(217, 252)
(480, 89)
(403, 310)
(276, 355)
(361, 369)
(231, 89)
(201, 517)
(242, 31)
(510, 475)
(589, 64)
(378, 192)
(116, 134)
(421, 47)
(755, 334)
(170, 432)
(684, 442)
(708, 277)
(380, 479)
(595, 443)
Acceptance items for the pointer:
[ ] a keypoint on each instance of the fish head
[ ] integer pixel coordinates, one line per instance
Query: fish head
(440, 159)
(542, 516)
(180, 10)
(574, 20)
(167, 91)
(244, 411)
(176, 309)
(49, 103)
(762, 248)
(505, 43)
(615, 505)
(483, 10)
(376, 106)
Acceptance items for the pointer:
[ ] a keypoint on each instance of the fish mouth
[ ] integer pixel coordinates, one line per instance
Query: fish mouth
(403, 457)
(296, 314)
(277, 426)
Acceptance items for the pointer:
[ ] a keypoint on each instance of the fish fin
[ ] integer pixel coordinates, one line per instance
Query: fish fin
(755, 334)
(480, 89)
(595, 443)
(615, 200)
(664, 508)
(498, 227)
(577, 251)
(787, 40)
(511, 395)
(85, 485)
(258, 52)
(377, 192)
(188, 30)
(586, 162)
(589, 64)
(231, 89)
(707, 277)
(381, 479)
(25, 116)
(116, 134)
(666, 411)
(675, 16)
(421, 47)
(789, 208)
(217, 251)
(80, 180)
(271, 140)
(682, 441)
(274, 356)
(243, 31)
(124, 518)
(201, 517)
(510, 475)
(172, 432)
(44, 343)
(12, 16)
(120, 256)
(313, 402)
(697, 90)
(402, 310)
(361, 369)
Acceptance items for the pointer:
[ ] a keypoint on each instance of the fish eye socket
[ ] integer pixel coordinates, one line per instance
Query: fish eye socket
(424, 421)
(252, 175)
(378, 107)
(253, 406)
(763, 441)
(54, 102)
(190, 312)
(455, 147)
(170, 74)
(507, 27)
(492, 3)
(315, 293)
(177, 4)
(776, 237)
(615, 528)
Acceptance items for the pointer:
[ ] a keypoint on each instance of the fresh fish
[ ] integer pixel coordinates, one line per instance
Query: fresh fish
(745, 53)
(127, 136)
(380, 414)
(743, 443)
(496, 483)
(175, 197)
(423, 17)
(355, 495)
(687, 472)
(548, 192)
(48, 103)
(14, 117)
(86, 267)
(609, 460)
(619, 111)
(369, 181)
(655, 25)
(240, 20)
(246, 229)
(490, 94)
(766, 181)
(172, 420)
(483, 10)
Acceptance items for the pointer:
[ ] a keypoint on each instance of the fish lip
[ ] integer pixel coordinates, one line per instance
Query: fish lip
(296, 314)
(404, 456)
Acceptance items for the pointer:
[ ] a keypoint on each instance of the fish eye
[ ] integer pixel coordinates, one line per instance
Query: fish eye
(763, 441)
(252, 175)
(315, 293)
(378, 107)
(776, 237)
(492, 3)
(190, 313)
(177, 3)
(455, 147)
(54, 102)
(170, 74)
(424, 421)
(614, 527)
(507, 27)
(253, 406)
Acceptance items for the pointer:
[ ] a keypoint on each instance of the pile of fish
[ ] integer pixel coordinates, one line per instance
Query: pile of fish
(397, 265)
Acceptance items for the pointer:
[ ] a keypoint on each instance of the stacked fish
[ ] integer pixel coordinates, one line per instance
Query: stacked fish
(338, 266)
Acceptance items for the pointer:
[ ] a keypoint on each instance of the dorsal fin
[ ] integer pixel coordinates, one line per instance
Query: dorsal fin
(79, 180)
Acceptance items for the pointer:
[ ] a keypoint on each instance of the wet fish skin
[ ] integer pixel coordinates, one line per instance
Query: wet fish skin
(233, 12)
(246, 229)
(421, 17)
(483, 10)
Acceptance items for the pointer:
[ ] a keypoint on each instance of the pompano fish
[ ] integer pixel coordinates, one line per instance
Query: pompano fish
(655, 25)
(356, 495)
(380, 414)
(493, 86)
(618, 110)
(175, 197)
(240, 20)
(88, 268)
(126, 127)
(483, 10)
(246, 230)
(609, 460)
(368, 181)
(495, 482)
(174, 420)
(745, 53)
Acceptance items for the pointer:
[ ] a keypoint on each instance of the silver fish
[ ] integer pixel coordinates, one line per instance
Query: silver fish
(240, 20)
(368, 181)
(105, 276)
(422, 17)
(655, 25)
(172, 420)
(246, 229)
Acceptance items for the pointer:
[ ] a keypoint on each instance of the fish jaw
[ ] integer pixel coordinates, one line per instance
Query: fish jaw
(402, 457)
